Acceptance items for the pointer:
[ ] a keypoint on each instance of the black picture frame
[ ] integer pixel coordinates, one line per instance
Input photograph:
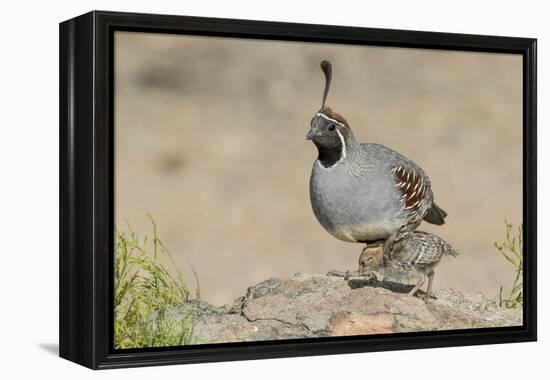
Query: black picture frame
(86, 105)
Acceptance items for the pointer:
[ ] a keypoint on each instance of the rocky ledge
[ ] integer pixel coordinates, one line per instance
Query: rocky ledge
(312, 305)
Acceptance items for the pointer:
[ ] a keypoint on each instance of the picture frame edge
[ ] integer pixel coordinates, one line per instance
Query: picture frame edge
(86, 200)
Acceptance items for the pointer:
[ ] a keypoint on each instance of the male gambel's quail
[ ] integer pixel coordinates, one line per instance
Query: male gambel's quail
(413, 252)
(364, 192)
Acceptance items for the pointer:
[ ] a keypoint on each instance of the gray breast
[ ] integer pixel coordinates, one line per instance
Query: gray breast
(356, 200)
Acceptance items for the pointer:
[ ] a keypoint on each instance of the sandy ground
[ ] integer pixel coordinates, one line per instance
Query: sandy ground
(210, 139)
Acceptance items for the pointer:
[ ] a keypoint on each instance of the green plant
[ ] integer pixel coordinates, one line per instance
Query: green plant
(146, 294)
(512, 250)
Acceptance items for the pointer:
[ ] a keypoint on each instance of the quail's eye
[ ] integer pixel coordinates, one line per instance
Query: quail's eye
(331, 127)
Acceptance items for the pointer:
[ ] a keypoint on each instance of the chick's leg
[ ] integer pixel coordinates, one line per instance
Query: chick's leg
(420, 282)
(430, 282)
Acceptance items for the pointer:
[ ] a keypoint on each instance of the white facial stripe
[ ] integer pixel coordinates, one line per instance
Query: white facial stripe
(343, 145)
(329, 119)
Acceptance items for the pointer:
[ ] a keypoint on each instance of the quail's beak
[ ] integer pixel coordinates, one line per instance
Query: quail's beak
(310, 134)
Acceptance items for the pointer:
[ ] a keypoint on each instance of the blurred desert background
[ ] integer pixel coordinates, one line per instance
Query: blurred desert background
(210, 140)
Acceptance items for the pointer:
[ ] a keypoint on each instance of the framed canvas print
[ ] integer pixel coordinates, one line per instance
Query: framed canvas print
(237, 189)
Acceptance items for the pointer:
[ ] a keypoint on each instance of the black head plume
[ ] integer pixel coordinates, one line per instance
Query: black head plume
(327, 69)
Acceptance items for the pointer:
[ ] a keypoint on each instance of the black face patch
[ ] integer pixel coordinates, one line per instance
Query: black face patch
(329, 155)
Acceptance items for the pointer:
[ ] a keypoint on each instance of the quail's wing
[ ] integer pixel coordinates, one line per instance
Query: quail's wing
(403, 251)
(413, 184)
(411, 181)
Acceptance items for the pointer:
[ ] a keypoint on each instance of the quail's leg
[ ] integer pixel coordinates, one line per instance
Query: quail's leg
(420, 282)
(430, 282)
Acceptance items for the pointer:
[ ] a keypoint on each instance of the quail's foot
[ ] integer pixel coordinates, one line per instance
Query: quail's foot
(420, 282)
(346, 275)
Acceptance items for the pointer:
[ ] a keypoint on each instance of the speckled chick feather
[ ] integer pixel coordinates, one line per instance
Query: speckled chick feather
(415, 253)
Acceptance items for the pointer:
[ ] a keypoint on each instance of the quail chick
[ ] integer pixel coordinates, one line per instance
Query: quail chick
(416, 252)
(364, 193)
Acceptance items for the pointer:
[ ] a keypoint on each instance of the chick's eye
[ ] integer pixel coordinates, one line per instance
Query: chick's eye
(331, 127)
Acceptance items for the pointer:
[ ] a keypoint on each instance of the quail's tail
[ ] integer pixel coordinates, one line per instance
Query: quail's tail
(453, 252)
(448, 250)
(435, 215)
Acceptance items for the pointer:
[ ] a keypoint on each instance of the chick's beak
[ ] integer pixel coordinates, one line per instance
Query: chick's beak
(310, 134)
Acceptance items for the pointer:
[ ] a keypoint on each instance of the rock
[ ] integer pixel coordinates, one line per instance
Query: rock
(346, 323)
(312, 305)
